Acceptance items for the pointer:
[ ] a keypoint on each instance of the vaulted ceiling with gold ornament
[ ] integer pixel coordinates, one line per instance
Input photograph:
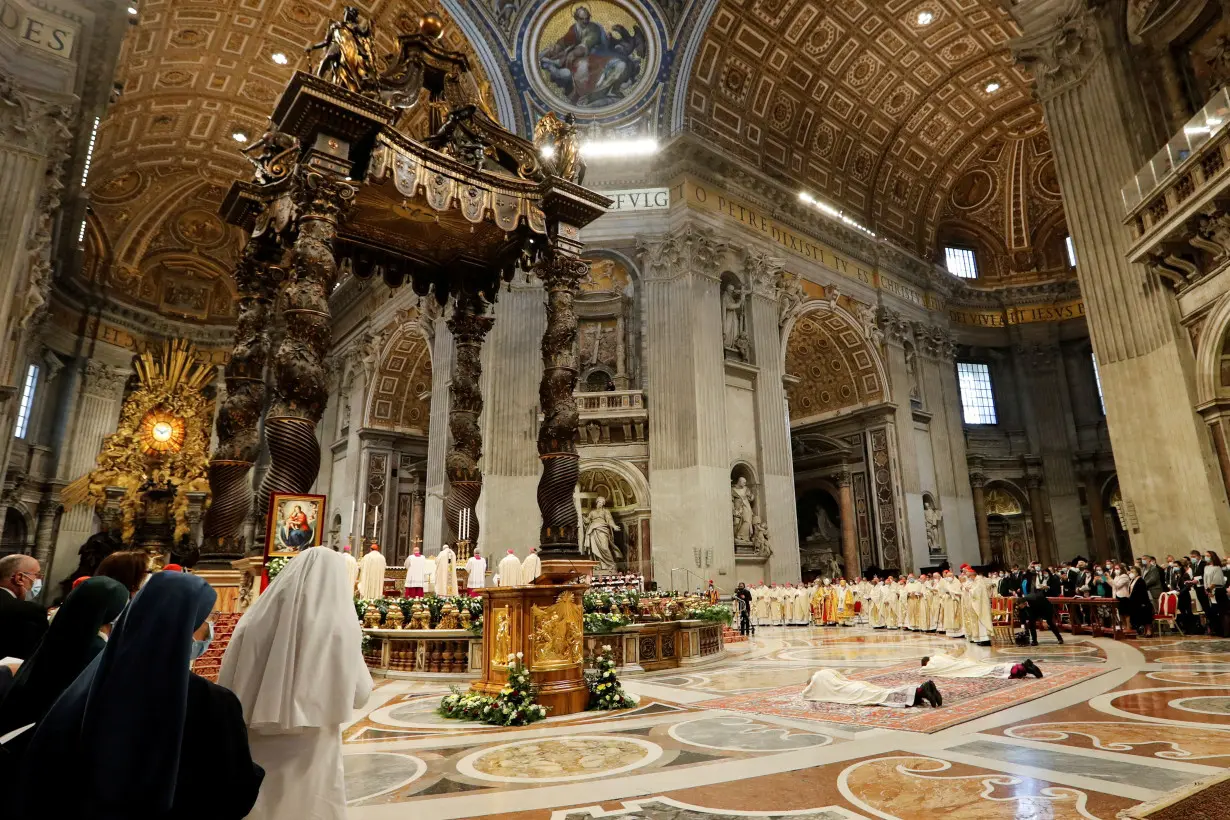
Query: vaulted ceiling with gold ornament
(198, 79)
(880, 107)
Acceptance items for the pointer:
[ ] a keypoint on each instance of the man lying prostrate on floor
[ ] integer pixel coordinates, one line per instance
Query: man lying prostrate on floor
(830, 686)
(946, 666)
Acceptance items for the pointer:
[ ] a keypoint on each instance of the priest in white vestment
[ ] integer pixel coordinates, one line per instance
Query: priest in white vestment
(509, 571)
(915, 609)
(532, 567)
(476, 574)
(371, 574)
(352, 569)
(830, 686)
(416, 574)
(954, 624)
(445, 582)
(946, 666)
(295, 663)
(978, 623)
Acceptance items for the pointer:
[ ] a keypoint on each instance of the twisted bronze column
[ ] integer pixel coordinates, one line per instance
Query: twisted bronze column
(299, 391)
(557, 436)
(239, 413)
(469, 326)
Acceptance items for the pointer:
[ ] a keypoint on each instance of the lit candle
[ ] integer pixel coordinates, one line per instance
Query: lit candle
(352, 511)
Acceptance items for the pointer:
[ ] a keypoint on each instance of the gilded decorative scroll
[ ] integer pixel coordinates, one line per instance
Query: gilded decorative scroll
(558, 635)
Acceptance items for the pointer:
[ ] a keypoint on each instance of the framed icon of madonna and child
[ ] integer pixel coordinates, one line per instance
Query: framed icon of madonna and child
(294, 523)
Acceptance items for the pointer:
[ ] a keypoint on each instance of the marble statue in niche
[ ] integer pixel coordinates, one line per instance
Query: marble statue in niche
(760, 538)
(932, 517)
(826, 529)
(790, 295)
(734, 333)
(911, 372)
(600, 529)
(743, 498)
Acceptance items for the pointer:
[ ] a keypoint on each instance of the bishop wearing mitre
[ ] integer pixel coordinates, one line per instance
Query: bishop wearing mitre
(352, 569)
(416, 574)
(446, 572)
(476, 574)
(371, 574)
(509, 570)
(532, 567)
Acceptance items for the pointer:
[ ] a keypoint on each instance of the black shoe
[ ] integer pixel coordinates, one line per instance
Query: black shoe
(1060, 639)
(1033, 643)
(1032, 668)
(932, 694)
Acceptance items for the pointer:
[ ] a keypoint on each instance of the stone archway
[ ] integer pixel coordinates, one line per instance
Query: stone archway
(833, 366)
(1009, 525)
(627, 496)
(399, 398)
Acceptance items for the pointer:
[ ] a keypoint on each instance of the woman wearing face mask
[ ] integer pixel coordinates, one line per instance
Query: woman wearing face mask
(1121, 588)
(296, 663)
(1140, 606)
(139, 730)
(1215, 586)
(72, 641)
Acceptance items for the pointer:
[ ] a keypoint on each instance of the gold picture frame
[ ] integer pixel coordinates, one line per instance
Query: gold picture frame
(293, 523)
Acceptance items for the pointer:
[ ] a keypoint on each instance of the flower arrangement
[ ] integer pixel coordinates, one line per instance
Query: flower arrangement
(605, 690)
(709, 612)
(514, 706)
(276, 566)
(600, 623)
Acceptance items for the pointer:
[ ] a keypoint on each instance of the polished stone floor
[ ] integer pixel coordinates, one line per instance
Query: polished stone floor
(1110, 725)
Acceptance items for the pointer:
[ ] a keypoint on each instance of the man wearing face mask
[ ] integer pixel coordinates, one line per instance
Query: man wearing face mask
(22, 621)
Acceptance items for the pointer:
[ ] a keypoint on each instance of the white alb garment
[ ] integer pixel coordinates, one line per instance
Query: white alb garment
(946, 666)
(416, 572)
(296, 665)
(476, 572)
(509, 571)
(830, 686)
(445, 582)
(352, 571)
(531, 568)
(371, 575)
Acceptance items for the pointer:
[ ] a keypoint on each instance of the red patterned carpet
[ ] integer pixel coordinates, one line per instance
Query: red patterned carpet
(964, 698)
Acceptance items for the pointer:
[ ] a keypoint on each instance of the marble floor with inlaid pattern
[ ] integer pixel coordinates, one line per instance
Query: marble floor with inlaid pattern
(1110, 725)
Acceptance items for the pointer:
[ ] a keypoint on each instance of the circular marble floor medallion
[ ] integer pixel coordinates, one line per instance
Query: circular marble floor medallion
(738, 734)
(369, 774)
(1206, 705)
(559, 760)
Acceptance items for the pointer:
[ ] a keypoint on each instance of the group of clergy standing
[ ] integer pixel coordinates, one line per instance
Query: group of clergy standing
(956, 605)
(438, 573)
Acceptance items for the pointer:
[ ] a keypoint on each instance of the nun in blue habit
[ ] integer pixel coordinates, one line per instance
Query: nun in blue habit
(137, 736)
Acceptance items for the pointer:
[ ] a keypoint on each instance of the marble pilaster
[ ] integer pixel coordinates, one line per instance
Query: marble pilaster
(434, 531)
(777, 505)
(95, 411)
(512, 367)
(1167, 469)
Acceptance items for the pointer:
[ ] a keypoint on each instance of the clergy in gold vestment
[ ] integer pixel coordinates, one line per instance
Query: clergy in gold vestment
(954, 624)
(914, 608)
(845, 603)
(371, 575)
(830, 603)
(445, 581)
(816, 604)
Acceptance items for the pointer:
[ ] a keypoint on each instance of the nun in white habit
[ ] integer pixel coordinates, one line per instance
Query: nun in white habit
(296, 663)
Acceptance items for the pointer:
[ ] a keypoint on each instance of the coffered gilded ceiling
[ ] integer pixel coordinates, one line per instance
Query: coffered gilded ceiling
(194, 74)
(861, 103)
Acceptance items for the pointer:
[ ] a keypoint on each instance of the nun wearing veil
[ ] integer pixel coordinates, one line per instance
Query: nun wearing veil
(72, 641)
(296, 663)
(142, 736)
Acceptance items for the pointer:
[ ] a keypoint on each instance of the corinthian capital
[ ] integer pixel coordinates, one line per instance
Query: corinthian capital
(1059, 50)
(101, 380)
(692, 248)
(764, 272)
(894, 326)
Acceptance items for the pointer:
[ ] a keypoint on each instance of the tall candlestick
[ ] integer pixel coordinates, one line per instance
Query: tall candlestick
(352, 511)
(376, 525)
